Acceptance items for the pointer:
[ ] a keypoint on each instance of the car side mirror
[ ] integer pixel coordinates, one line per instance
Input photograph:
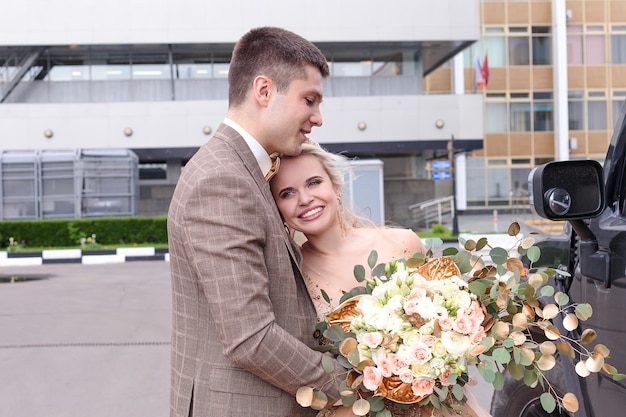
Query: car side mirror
(567, 190)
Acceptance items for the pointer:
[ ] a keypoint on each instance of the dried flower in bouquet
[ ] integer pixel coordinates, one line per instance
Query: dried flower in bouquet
(410, 334)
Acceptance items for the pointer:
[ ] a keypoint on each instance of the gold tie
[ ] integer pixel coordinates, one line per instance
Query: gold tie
(273, 170)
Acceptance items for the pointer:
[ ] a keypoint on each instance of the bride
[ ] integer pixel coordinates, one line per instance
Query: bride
(307, 191)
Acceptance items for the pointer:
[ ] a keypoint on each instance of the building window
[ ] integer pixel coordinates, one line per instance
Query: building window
(596, 112)
(495, 117)
(519, 115)
(576, 110)
(542, 111)
(618, 45)
(493, 46)
(575, 44)
(542, 45)
(518, 46)
(595, 51)
(153, 171)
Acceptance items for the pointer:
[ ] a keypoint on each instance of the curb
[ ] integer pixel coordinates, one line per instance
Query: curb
(89, 257)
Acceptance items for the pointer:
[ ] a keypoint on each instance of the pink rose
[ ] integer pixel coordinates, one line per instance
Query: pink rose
(422, 387)
(410, 306)
(429, 340)
(387, 366)
(477, 311)
(418, 293)
(372, 378)
(478, 335)
(405, 375)
(445, 324)
(463, 324)
(372, 339)
(419, 354)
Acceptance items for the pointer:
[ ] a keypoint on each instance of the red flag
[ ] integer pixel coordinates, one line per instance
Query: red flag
(484, 70)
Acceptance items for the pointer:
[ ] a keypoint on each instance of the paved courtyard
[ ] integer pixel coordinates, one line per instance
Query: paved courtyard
(85, 340)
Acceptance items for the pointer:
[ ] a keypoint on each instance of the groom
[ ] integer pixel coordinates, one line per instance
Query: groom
(242, 318)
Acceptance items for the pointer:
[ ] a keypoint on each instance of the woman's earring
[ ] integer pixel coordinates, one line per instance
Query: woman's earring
(288, 229)
(341, 217)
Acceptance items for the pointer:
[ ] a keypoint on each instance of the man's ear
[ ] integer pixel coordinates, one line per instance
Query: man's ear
(261, 88)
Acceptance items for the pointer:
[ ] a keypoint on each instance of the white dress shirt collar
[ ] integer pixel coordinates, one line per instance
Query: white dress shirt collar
(262, 158)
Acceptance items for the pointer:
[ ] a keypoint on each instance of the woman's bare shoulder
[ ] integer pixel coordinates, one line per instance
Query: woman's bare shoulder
(398, 243)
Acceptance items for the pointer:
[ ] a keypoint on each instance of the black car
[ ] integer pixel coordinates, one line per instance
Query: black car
(592, 200)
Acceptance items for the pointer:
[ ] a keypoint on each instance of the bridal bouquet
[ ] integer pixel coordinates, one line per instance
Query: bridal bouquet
(411, 333)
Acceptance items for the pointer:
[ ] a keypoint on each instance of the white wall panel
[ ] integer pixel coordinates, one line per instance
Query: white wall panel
(180, 124)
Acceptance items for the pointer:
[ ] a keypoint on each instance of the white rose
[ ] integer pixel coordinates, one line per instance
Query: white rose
(394, 324)
(367, 302)
(377, 317)
(456, 344)
(411, 338)
(426, 309)
(463, 300)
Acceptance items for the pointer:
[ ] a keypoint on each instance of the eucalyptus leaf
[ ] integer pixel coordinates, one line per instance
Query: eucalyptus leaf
(457, 392)
(478, 287)
(348, 400)
(516, 371)
(470, 244)
(451, 251)
(583, 311)
(372, 259)
(498, 255)
(335, 333)
(361, 407)
(442, 392)
(377, 403)
(325, 296)
(501, 355)
(501, 269)
(328, 364)
(561, 298)
(533, 254)
(379, 271)
(344, 362)
(433, 242)
(547, 291)
(530, 378)
(482, 242)
(547, 402)
(359, 273)
(319, 400)
(488, 374)
(498, 382)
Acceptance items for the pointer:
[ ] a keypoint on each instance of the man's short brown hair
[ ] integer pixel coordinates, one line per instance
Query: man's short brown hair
(277, 53)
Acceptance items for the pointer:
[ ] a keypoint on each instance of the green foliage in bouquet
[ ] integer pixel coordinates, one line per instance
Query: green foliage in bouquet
(517, 306)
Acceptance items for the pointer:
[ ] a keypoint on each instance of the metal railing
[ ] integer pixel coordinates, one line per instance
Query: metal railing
(427, 213)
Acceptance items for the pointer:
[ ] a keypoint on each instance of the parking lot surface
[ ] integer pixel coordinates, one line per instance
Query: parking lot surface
(85, 340)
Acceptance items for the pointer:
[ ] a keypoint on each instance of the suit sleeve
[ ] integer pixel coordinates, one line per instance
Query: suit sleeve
(227, 227)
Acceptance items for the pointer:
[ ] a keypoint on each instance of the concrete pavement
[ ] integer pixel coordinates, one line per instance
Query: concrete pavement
(85, 340)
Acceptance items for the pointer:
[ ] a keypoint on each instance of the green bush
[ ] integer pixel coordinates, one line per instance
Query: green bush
(68, 232)
(439, 228)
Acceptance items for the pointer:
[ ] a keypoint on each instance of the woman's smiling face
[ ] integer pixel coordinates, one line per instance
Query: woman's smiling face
(305, 194)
